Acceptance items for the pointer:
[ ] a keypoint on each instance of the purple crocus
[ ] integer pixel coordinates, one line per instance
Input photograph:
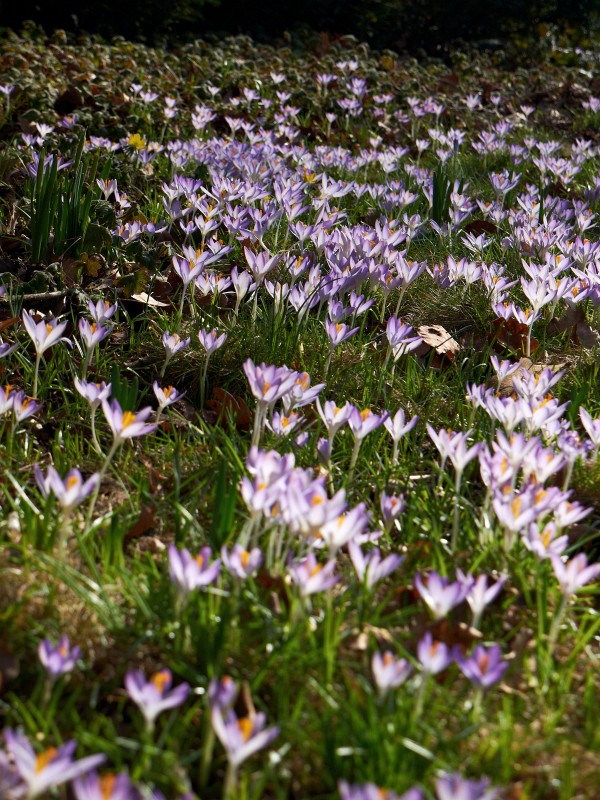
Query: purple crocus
(188, 573)
(92, 333)
(6, 348)
(104, 787)
(242, 563)
(58, 659)
(312, 577)
(166, 396)
(574, 573)
(369, 791)
(484, 667)
(44, 334)
(126, 424)
(155, 695)
(372, 568)
(69, 492)
(94, 393)
(441, 596)
(455, 787)
(53, 767)
(433, 656)
(268, 383)
(210, 340)
(241, 737)
(101, 311)
(23, 406)
(172, 343)
(480, 594)
(388, 671)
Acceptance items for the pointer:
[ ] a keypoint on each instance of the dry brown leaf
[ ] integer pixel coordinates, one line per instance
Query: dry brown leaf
(436, 337)
(148, 300)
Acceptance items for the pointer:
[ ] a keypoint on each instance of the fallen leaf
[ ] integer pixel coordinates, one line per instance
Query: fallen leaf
(144, 523)
(148, 300)
(513, 335)
(224, 405)
(7, 323)
(436, 337)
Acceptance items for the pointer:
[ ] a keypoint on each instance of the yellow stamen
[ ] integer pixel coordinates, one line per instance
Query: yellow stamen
(43, 759)
(160, 680)
(246, 727)
(107, 786)
(128, 418)
(72, 481)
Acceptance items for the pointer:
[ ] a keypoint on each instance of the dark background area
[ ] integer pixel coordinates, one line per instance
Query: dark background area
(405, 25)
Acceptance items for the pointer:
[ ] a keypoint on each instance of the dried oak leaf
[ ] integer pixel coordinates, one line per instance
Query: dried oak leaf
(574, 321)
(145, 523)
(436, 337)
(513, 335)
(224, 406)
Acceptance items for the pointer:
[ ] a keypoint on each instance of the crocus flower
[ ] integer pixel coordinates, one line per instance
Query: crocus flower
(433, 656)
(455, 787)
(369, 791)
(24, 407)
(592, 427)
(397, 427)
(166, 396)
(7, 396)
(388, 671)
(69, 492)
(126, 424)
(222, 693)
(210, 340)
(101, 311)
(172, 343)
(6, 348)
(241, 737)
(188, 573)
(573, 574)
(454, 446)
(440, 595)
(58, 659)
(361, 423)
(53, 767)
(372, 568)
(480, 594)
(268, 383)
(312, 577)
(93, 333)
(155, 695)
(104, 787)
(44, 334)
(333, 416)
(391, 508)
(260, 265)
(94, 393)
(241, 563)
(484, 667)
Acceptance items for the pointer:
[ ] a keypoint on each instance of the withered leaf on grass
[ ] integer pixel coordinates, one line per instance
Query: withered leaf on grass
(436, 337)
(225, 406)
(145, 523)
(7, 323)
(513, 335)
(574, 321)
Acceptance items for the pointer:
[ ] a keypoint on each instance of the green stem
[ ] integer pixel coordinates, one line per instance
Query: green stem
(116, 443)
(36, 374)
